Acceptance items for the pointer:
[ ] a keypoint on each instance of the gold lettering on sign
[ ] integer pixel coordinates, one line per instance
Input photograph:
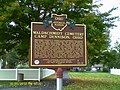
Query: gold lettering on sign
(74, 33)
(59, 18)
(59, 23)
(77, 37)
(59, 61)
(58, 48)
(40, 36)
(57, 35)
(60, 37)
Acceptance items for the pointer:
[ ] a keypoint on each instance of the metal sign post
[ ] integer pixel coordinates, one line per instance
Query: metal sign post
(59, 79)
(59, 83)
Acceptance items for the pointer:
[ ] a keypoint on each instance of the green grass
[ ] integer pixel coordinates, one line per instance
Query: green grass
(16, 83)
(93, 81)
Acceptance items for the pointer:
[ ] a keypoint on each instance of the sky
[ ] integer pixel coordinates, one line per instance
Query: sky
(107, 5)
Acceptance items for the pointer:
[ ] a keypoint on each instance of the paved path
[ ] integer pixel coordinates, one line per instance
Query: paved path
(48, 84)
(65, 75)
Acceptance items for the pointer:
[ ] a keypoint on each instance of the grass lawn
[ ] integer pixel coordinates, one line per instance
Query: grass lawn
(79, 81)
(16, 83)
(93, 81)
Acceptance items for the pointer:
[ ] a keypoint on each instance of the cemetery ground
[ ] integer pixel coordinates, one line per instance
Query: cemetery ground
(77, 81)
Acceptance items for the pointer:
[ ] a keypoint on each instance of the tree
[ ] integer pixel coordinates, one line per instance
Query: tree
(10, 59)
(116, 62)
(111, 57)
(23, 12)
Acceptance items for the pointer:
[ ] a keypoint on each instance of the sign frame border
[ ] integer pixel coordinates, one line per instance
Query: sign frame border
(60, 65)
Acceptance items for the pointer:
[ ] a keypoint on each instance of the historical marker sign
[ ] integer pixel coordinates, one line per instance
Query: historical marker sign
(58, 45)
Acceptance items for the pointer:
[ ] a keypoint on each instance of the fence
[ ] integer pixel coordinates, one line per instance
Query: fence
(29, 74)
(115, 71)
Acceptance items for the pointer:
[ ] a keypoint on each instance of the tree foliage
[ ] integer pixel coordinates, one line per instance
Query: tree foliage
(115, 52)
(23, 12)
